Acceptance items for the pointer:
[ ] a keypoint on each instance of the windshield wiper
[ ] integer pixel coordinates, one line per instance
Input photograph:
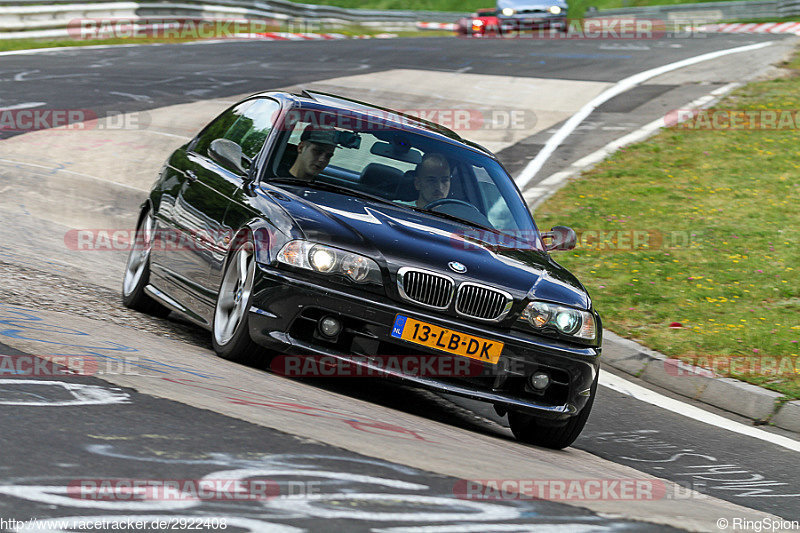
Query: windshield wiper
(467, 222)
(454, 218)
(331, 187)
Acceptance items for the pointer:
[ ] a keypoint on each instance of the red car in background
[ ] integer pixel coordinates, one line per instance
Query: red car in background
(482, 22)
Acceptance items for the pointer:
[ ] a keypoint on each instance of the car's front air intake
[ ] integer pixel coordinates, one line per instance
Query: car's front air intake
(426, 288)
(478, 301)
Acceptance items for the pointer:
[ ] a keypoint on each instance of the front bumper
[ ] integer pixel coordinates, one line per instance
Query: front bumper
(531, 22)
(285, 309)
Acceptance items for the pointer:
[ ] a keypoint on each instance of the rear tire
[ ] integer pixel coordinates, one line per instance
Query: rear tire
(230, 330)
(529, 429)
(137, 270)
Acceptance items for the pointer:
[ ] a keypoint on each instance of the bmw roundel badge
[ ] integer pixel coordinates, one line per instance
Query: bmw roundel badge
(455, 266)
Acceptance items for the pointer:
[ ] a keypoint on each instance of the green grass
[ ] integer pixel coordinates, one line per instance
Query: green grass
(578, 7)
(725, 203)
(7, 45)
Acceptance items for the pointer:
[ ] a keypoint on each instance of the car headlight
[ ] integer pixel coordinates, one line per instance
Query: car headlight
(507, 11)
(565, 320)
(555, 10)
(328, 260)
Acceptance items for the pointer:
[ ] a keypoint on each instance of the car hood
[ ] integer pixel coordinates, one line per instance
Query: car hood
(403, 237)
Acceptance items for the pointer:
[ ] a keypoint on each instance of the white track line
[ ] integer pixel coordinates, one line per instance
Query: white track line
(624, 386)
(54, 170)
(31, 51)
(548, 186)
(26, 105)
(620, 87)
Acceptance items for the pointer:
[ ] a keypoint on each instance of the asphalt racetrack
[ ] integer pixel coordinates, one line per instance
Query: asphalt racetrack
(339, 454)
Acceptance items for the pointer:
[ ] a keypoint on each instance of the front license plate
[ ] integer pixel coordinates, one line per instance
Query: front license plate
(446, 340)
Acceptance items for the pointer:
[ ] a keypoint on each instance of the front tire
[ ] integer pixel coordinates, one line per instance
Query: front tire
(230, 328)
(530, 430)
(137, 270)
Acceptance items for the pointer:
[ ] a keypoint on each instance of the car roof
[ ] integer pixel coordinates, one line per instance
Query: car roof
(315, 100)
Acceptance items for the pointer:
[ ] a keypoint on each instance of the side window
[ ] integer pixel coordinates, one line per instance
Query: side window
(247, 125)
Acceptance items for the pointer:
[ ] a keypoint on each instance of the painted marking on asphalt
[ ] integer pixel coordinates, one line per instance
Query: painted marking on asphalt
(31, 51)
(26, 105)
(137, 97)
(624, 386)
(79, 393)
(12, 162)
(535, 196)
(164, 133)
(620, 87)
(567, 527)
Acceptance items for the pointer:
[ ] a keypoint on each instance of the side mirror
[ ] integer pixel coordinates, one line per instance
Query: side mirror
(226, 151)
(559, 238)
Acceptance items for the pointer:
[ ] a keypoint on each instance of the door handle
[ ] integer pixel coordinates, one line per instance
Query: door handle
(191, 175)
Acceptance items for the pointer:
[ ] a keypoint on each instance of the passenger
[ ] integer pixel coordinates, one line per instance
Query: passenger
(432, 180)
(314, 152)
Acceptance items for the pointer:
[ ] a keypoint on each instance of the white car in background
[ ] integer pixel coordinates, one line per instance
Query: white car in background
(531, 14)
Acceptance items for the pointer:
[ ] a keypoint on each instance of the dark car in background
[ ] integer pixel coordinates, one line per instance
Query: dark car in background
(353, 266)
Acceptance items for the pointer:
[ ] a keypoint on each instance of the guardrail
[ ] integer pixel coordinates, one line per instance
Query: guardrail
(790, 8)
(705, 12)
(30, 18)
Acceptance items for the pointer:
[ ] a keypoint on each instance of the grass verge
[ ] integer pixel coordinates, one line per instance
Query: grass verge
(7, 45)
(721, 209)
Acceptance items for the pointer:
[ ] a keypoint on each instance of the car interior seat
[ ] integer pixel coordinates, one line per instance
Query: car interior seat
(289, 156)
(406, 190)
(380, 180)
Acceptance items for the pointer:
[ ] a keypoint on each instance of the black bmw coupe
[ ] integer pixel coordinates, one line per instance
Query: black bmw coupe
(315, 226)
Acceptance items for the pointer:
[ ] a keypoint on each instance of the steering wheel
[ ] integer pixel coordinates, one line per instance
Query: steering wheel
(442, 201)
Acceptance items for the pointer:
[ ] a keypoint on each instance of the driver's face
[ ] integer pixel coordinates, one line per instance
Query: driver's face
(433, 184)
(312, 158)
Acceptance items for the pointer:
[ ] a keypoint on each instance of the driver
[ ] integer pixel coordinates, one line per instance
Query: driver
(432, 179)
(314, 152)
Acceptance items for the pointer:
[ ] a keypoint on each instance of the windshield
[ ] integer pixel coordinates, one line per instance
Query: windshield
(410, 170)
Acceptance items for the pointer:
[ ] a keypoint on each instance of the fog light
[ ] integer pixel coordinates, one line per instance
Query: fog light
(539, 381)
(330, 327)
